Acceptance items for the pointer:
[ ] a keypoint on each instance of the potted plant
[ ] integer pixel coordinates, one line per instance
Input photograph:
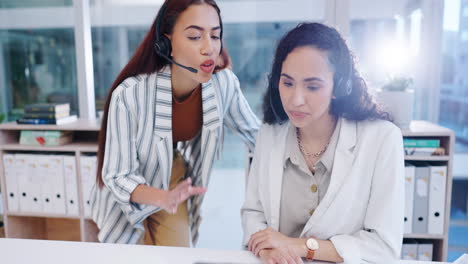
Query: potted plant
(397, 97)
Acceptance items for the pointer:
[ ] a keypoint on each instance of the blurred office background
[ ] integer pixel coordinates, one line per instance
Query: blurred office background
(48, 55)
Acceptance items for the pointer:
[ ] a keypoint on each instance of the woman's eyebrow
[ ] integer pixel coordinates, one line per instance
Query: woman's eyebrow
(313, 79)
(201, 28)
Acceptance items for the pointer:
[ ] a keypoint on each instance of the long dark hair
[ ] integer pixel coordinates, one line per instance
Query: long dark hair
(146, 60)
(353, 100)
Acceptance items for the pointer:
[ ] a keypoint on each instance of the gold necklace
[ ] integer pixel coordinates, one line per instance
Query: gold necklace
(305, 152)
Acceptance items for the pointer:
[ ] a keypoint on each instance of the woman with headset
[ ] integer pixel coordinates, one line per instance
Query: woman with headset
(163, 126)
(333, 188)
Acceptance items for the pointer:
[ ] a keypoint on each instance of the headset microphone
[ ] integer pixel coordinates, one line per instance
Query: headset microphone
(172, 61)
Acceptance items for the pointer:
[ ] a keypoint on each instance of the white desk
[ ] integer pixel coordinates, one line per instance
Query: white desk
(27, 251)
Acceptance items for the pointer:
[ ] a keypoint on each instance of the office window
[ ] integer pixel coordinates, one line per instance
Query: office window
(112, 48)
(465, 11)
(117, 28)
(37, 63)
(34, 3)
(454, 113)
(454, 81)
(386, 40)
(251, 42)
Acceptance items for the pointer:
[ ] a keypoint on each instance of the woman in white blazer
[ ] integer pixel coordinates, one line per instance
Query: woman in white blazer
(163, 126)
(326, 181)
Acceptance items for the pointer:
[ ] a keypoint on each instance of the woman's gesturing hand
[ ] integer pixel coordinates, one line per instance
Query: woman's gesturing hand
(179, 194)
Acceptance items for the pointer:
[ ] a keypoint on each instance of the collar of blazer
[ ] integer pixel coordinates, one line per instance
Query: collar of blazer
(163, 107)
(341, 166)
(211, 120)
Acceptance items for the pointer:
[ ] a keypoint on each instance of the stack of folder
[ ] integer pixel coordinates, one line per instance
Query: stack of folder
(425, 189)
(417, 251)
(47, 114)
(47, 184)
(423, 147)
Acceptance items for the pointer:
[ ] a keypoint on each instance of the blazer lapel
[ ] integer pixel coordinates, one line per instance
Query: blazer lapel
(210, 130)
(163, 122)
(276, 176)
(343, 161)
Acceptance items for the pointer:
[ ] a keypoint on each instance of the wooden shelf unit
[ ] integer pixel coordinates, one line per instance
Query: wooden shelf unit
(44, 225)
(426, 130)
(34, 225)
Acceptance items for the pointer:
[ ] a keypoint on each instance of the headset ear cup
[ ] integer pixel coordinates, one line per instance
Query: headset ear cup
(165, 46)
(337, 91)
(349, 87)
(342, 88)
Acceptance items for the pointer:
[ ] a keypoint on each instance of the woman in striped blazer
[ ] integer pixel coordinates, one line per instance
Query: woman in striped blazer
(163, 126)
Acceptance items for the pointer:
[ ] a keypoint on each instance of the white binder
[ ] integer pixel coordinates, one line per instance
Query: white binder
(11, 182)
(71, 186)
(437, 199)
(34, 184)
(425, 252)
(21, 165)
(421, 199)
(58, 184)
(409, 252)
(88, 175)
(47, 187)
(409, 198)
(53, 188)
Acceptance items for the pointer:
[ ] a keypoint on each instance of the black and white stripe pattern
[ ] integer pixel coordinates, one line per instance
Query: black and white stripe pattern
(139, 147)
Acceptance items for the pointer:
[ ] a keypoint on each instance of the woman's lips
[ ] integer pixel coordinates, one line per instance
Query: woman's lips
(298, 115)
(207, 66)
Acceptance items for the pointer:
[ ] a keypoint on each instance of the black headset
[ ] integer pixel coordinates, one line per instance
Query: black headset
(344, 85)
(163, 46)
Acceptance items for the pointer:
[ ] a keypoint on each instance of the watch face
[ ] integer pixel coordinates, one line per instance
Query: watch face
(312, 244)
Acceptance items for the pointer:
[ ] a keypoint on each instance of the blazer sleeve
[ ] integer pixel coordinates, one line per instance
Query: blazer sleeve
(252, 212)
(239, 117)
(381, 239)
(120, 169)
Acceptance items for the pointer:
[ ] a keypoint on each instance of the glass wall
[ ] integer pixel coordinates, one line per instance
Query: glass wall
(117, 28)
(251, 47)
(37, 62)
(454, 79)
(454, 112)
(34, 3)
(112, 48)
(385, 39)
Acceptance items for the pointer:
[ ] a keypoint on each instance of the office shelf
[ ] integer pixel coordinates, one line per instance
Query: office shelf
(47, 225)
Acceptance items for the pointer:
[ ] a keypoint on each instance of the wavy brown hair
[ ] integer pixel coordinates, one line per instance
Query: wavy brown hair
(146, 60)
(353, 100)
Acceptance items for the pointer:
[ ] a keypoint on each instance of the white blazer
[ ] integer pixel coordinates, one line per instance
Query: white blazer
(362, 211)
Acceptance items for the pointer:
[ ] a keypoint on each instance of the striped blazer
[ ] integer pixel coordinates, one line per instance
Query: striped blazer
(139, 148)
